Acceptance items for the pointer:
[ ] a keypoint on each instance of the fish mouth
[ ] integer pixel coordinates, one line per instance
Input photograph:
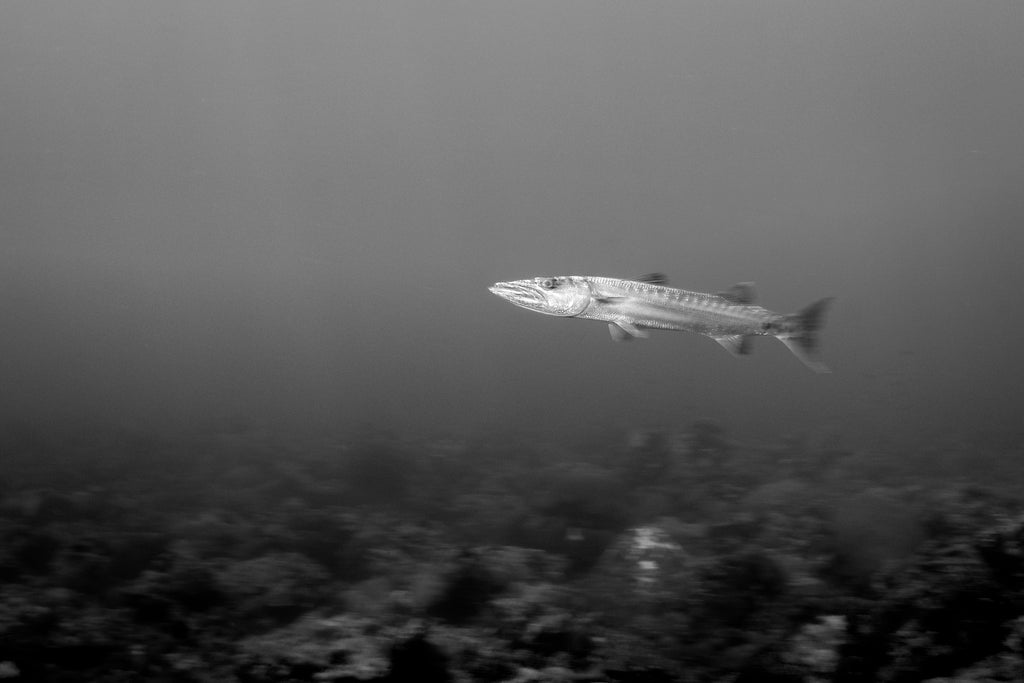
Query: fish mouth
(518, 294)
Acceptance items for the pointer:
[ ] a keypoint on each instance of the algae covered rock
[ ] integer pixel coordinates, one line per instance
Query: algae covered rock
(343, 648)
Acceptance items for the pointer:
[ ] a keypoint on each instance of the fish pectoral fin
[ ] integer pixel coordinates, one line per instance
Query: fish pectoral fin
(736, 344)
(618, 334)
(633, 330)
(625, 331)
(739, 293)
(654, 279)
(609, 299)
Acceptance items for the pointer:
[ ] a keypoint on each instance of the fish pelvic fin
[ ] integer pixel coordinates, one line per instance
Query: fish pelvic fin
(799, 332)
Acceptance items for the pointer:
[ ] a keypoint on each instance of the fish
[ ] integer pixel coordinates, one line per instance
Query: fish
(632, 307)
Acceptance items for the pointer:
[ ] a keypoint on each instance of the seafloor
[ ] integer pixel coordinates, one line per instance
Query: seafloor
(234, 555)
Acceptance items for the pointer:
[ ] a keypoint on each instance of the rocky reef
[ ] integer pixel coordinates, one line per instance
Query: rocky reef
(653, 556)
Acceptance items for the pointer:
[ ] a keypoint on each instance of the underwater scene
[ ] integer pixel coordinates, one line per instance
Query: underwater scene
(511, 342)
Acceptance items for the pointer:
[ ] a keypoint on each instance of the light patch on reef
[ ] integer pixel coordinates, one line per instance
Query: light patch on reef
(816, 647)
(649, 547)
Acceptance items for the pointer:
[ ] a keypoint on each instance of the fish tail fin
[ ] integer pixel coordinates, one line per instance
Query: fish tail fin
(800, 334)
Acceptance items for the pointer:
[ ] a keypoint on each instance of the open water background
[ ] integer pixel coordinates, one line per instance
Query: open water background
(289, 213)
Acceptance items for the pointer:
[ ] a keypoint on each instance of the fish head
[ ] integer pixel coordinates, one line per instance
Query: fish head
(565, 296)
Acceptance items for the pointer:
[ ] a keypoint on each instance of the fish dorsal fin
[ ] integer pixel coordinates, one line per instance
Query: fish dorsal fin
(736, 344)
(654, 279)
(739, 293)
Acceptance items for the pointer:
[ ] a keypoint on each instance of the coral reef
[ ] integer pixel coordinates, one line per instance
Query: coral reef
(661, 557)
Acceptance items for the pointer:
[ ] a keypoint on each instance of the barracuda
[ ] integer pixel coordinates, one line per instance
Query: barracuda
(631, 307)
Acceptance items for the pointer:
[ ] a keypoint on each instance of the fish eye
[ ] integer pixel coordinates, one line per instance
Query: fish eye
(549, 283)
